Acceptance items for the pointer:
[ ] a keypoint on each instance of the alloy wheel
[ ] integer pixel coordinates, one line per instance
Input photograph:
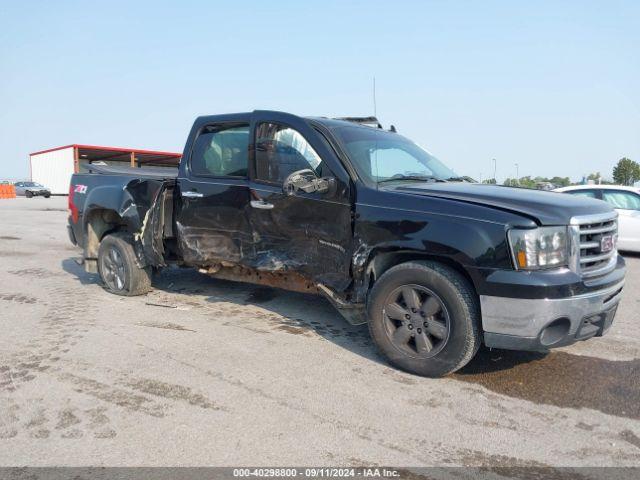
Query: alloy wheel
(416, 321)
(114, 273)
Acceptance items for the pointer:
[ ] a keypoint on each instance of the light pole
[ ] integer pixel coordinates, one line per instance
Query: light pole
(517, 175)
(495, 167)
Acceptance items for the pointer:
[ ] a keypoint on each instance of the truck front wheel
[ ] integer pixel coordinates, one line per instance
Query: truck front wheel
(424, 317)
(118, 268)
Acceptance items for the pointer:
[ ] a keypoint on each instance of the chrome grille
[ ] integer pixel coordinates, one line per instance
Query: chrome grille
(588, 231)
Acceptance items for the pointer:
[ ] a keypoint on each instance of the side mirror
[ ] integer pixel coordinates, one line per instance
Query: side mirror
(307, 181)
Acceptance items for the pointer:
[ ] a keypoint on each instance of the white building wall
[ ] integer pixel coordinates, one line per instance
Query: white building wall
(53, 169)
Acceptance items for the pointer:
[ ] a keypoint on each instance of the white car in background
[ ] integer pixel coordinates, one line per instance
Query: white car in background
(626, 201)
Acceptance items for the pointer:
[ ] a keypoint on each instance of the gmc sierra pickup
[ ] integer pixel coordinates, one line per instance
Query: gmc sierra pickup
(386, 232)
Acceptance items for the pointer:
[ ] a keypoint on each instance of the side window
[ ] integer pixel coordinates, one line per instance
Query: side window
(584, 193)
(280, 151)
(622, 200)
(221, 152)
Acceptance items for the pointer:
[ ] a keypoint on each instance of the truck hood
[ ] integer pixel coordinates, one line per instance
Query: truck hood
(546, 208)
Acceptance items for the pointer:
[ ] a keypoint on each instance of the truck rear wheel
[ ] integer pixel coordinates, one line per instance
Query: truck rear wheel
(424, 317)
(118, 268)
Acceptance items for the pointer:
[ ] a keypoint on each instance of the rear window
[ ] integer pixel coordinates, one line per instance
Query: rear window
(221, 151)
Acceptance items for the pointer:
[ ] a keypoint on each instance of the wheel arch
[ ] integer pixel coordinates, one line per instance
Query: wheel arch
(382, 260)
(100, 222)
(392, 330)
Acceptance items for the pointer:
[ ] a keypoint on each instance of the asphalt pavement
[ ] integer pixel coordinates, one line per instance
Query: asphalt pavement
(207, 372)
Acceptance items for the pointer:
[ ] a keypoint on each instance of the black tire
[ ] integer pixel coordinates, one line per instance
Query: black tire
(118, 268)
(28, 194)
(47, 195)
(446, 313)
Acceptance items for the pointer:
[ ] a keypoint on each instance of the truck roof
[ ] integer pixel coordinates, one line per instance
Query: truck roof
(363, 122)
(345, 122)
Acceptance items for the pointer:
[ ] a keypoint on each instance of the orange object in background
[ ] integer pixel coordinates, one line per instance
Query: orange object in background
(7, 191)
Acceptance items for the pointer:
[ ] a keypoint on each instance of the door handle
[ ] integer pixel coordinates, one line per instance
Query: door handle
(261, 204)
(192, 194)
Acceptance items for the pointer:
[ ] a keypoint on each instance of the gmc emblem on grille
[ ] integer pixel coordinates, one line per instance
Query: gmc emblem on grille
(607, 243)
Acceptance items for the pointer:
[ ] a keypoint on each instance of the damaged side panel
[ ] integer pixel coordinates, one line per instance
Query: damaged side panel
(380, 236)
(304, 234)
(157, 225)
(298, 237)
(214, 227)
(123, 204)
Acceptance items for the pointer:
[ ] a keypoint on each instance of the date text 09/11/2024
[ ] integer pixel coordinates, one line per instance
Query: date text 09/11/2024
(322, 472)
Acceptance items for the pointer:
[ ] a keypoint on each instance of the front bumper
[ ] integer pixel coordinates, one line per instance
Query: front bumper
(540, 324)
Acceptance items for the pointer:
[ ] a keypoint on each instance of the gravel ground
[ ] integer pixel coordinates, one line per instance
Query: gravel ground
(207, 372)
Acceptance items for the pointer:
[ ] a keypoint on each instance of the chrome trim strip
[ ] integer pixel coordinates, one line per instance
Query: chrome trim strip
(596, 258)
(594, 218)
(601, 270)
(592, 231)
(190, 194)
(605, 291)
(574, 249)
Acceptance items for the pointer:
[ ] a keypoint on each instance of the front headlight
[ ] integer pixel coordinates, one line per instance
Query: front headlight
(538, 248)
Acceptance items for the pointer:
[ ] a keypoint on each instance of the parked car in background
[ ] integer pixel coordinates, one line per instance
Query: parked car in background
(31, 189)
(626, 201)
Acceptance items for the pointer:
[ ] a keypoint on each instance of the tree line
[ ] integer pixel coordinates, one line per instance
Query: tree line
(626, 172)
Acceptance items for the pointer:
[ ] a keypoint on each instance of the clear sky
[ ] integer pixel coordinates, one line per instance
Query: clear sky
(551, 85)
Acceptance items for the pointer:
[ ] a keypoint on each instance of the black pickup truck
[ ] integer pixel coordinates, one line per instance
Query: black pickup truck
(385, 231)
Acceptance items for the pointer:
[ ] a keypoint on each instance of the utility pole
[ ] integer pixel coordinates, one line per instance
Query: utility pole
(517, 175)
(494, 170)
(375, 109)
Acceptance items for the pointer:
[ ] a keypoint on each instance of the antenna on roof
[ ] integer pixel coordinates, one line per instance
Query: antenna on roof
(375, 113)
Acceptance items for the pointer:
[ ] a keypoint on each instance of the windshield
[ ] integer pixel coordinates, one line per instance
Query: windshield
(384, 156)
(31, 184)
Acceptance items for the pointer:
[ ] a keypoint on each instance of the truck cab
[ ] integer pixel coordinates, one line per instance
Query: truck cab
(390, 235)
(238, 200)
